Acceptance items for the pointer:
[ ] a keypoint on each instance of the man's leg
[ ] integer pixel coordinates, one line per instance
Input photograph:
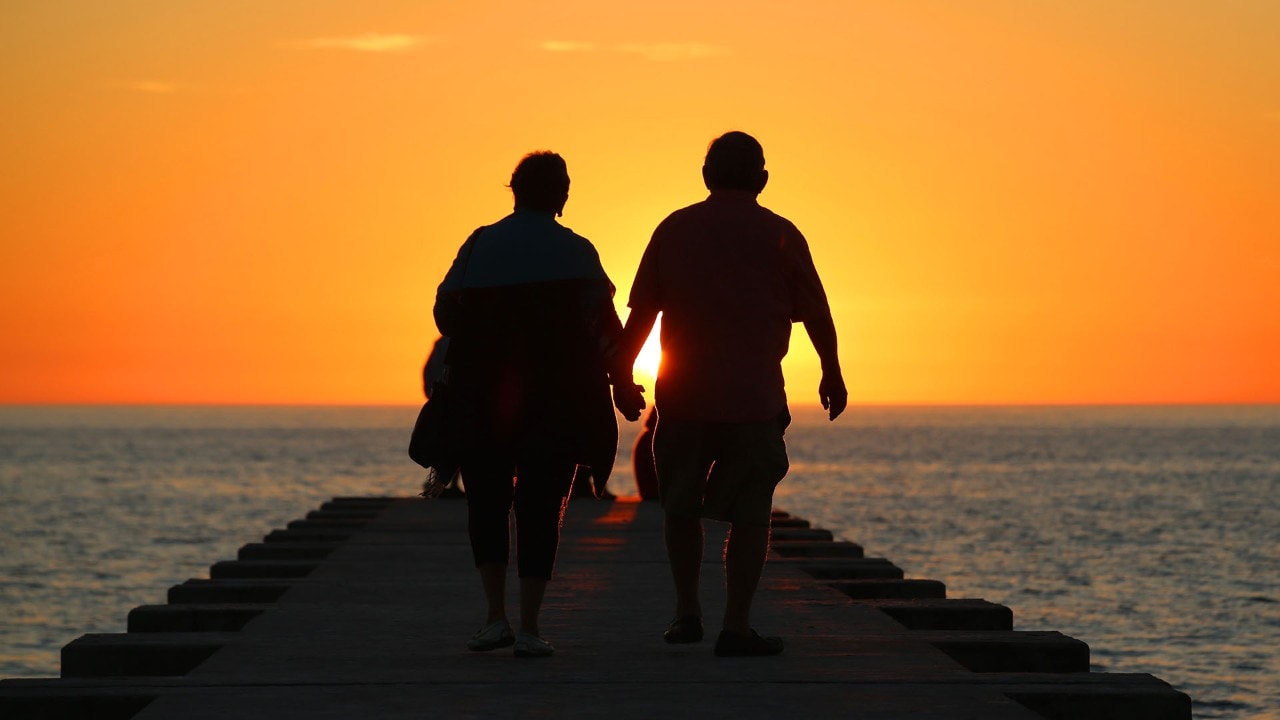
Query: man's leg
(744, 557)
(752, 462)
(682, 468)
(684, 537)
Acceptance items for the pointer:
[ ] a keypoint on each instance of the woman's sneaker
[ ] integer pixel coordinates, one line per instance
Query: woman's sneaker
(491, 637)
(530, 645)
(686, 629)
(733, 644)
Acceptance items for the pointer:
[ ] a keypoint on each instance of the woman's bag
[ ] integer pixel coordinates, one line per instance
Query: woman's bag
(431, 444)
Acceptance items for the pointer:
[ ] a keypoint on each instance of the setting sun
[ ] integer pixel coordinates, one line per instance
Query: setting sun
(650, 357)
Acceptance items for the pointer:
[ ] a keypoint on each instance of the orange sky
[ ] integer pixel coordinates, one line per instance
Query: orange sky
(235, 201)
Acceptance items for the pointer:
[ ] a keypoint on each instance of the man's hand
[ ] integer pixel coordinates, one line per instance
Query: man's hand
(831, 390)
(629, 400)
(832, 393)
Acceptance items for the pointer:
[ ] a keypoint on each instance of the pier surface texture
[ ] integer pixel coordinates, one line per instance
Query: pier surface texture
(363, 610)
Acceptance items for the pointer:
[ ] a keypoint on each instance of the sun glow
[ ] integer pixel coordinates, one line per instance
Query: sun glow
(650, 357)
(1051, 202)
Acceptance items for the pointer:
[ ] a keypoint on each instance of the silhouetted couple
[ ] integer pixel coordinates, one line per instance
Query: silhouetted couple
(536, 346)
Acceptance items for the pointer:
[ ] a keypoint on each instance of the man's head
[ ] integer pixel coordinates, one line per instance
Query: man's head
(735, 161)
(541, 182)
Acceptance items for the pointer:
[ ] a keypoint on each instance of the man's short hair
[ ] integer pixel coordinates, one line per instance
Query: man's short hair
(734, 161)
(540, 182)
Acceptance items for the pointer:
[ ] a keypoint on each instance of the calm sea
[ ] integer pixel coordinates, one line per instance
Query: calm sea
(1152, 534)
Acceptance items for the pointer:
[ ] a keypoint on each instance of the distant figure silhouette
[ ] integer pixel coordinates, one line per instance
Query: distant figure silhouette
(432, 370)
(534, 339)
(642, 458)
(729, 278)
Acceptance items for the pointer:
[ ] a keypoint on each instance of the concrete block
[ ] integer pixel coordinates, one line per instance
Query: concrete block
(871, 588)
(193, 617)
(342, 524)
(286, 551)
(788, 523)
(324, 537)
(800, 535)
(261, 569)
(366, 501)
(200, 591)
(1011, 651)
(1105, 702)
(331, 506)
(368, 505)
(138, 654)
(818, 549)
(935, 614)
(843, 568)
(356, 515)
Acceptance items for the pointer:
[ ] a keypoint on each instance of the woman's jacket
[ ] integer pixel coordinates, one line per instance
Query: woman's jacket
(532, 327)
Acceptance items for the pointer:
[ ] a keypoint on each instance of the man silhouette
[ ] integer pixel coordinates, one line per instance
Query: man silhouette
(729, 277)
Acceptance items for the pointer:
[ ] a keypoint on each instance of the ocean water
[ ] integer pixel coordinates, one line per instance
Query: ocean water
(1152, 534)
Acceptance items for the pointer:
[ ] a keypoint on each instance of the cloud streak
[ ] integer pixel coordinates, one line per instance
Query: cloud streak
(567, 46)
(658, 52)
(367, 42)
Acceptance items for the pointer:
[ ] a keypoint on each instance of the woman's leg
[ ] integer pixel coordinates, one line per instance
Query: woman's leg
(531, 591)
(489, 497)
(493, 578)
(541, 494)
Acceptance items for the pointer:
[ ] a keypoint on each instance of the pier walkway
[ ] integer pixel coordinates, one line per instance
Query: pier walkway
(363, 610)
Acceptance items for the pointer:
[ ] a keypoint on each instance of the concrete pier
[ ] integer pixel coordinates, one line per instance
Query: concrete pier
(363, 609)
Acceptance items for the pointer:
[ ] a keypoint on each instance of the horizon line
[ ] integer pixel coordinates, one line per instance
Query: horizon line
(811, 405)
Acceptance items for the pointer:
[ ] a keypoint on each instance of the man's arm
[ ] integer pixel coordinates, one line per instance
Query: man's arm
(639, 324)
(812, 309)
(627, 395)
(831, 389)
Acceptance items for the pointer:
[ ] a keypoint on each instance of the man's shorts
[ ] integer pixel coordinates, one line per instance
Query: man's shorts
(717, 470)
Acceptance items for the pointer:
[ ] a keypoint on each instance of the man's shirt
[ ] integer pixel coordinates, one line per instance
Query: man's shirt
(729, 277)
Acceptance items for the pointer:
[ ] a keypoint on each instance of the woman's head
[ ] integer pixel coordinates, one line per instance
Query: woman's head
(541, 182)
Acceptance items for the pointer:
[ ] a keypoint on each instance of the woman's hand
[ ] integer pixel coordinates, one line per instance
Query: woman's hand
(629, 399)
